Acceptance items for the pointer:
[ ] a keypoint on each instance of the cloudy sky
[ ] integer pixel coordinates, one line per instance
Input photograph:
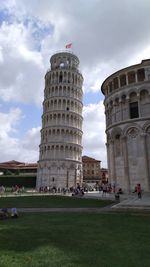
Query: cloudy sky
(106, 36)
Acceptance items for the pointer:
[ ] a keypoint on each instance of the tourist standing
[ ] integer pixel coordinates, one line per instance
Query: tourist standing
(104, 190)
(139, 191)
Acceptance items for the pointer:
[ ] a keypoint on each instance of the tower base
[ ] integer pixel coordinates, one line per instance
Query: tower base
(59, 174)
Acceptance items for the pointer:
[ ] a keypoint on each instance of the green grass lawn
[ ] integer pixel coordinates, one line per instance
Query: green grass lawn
(75, 240)
(51, 202)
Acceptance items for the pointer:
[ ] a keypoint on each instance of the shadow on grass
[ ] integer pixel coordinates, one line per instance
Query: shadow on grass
(52, 202)
(84, 239)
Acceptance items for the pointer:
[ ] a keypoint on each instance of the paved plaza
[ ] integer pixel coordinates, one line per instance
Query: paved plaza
(133, 202)
(127, 201)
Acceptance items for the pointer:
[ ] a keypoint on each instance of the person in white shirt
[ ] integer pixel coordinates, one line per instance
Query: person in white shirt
(14, 213)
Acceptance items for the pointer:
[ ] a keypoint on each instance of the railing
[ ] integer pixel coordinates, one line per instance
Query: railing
(64, 68)
(65, 51)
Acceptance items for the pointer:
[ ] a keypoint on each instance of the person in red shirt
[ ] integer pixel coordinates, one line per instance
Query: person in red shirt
(139, 191)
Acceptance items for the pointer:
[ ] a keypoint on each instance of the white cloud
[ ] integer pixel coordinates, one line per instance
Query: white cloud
(22, 71)
(104, 36)
(8, 124)
(9, 121)
(142, 54)
(30, 145)
(94, 132)
(23, 149)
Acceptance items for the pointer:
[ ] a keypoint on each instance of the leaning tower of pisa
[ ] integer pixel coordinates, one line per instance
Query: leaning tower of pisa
(60, 159)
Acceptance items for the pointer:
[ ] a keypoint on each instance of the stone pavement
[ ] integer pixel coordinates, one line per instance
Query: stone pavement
(127, 201)
(64, 210)
(133, 202)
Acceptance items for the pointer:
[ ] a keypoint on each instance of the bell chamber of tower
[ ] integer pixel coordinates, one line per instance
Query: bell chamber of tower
(127, 110)
(60, 159)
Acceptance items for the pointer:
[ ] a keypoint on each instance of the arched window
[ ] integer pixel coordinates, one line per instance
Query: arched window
(133, 106)
(123, 80)
(131, 77)
(141, 75)
(62, 65)
(116, 84)
(110, 87)
(60, 77)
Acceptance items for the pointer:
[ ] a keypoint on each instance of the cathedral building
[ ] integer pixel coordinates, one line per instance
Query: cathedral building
(60, 160)
(127, 110)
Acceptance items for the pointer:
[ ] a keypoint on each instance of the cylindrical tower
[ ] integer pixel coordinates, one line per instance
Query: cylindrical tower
(127, 110)
(60, 160)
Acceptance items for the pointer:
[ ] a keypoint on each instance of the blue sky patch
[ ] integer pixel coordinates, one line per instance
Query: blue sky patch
(39, 30)
(5, 16)
(31, 116)
(92, 98)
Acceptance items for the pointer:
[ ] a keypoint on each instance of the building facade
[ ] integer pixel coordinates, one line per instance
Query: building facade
(127, 110)
(60, 160)
(104, 176)
(14, 173)
(16, 167)
(91, 170)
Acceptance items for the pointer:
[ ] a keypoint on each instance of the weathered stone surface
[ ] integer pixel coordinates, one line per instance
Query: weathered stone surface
(127, 108)
(60, 160)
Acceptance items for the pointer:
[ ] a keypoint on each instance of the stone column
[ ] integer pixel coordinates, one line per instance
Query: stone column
(136, 78)
(75, 178)
(113, 167)
(126, 164)
(126, 78)
(108, 160)
(119, 85)
(128, 108)
(145, 156)
(67, 181)
(121, 111)
(80, 177)
(139, 104)
(114, 112)
(106, 118)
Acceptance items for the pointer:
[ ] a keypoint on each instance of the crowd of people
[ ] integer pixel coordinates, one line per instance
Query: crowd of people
(14, 189)
(73, 190)
(105, 188)
(17, 189)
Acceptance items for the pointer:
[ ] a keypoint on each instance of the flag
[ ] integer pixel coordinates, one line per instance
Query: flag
(68, 45)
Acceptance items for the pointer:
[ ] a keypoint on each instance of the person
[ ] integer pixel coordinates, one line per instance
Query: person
(135, 189)
(4, 213)
(2, 189)
(104, 190)
(114, 187)
(120, 191)
(14, 213)
(139, 191)
(117, 196)
(82, 192)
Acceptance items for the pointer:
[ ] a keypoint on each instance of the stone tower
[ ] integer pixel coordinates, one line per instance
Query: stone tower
(127, 109)
(60, 160)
